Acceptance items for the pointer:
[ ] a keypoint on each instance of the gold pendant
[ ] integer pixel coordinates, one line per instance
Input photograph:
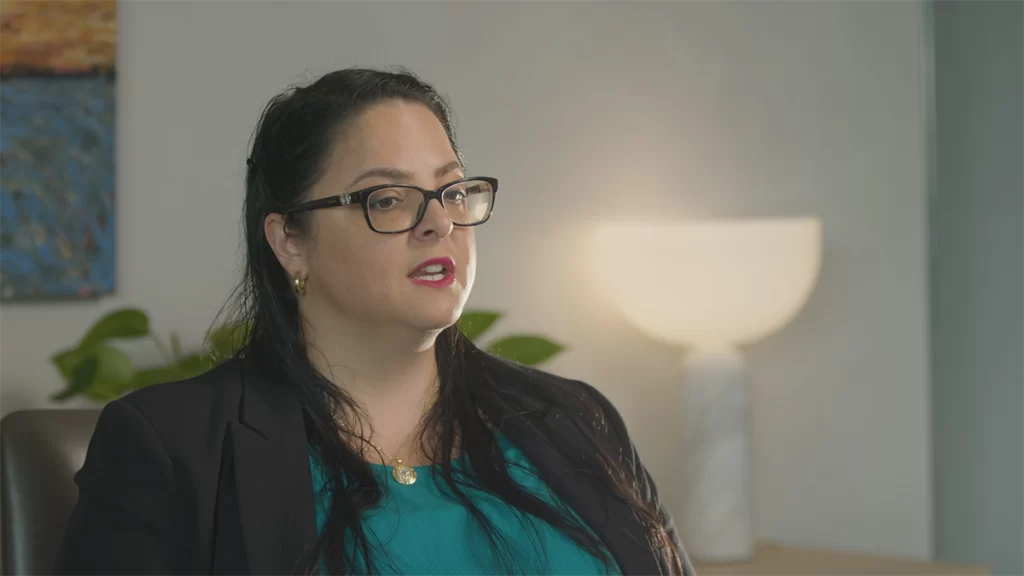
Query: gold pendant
(403, 474)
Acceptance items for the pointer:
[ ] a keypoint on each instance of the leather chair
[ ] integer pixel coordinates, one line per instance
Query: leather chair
(40, 452)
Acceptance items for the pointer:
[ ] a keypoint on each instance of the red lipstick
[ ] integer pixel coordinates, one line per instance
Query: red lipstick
(434, 273)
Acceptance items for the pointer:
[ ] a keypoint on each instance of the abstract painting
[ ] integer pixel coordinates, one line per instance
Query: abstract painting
(57, 178)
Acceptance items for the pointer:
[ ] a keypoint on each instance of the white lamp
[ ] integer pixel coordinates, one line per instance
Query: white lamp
(710, 286)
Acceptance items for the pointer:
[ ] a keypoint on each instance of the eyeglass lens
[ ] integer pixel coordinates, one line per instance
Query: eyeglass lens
(396, 209)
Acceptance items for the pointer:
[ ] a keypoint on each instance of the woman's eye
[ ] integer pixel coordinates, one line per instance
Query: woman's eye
(384, 203)
(455, 196)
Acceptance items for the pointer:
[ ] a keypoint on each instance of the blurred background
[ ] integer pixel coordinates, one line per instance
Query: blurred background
(887, 418)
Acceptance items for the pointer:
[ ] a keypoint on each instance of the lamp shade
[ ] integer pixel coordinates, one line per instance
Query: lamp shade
(715, 282)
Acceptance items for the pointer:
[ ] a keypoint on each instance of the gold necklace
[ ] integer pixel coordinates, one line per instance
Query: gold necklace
(401, 472)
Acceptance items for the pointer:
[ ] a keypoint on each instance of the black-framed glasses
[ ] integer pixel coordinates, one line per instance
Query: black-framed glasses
(396, 208)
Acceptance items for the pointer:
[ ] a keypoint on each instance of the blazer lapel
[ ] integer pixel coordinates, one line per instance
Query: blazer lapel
(275, 488)
(565, 458)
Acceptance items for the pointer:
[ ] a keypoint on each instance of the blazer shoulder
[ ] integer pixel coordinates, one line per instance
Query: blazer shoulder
(592, 402)
(579, 399)
(186, 407)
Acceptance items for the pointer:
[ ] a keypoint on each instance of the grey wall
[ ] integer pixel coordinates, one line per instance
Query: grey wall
(976, 283)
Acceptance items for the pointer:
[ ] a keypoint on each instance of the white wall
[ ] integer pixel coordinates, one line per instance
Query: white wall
(586, 111)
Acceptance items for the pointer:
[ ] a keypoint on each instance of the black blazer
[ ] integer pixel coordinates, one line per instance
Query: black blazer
(211, 475)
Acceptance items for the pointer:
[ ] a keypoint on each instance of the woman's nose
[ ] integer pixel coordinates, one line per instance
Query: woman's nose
(436, 222)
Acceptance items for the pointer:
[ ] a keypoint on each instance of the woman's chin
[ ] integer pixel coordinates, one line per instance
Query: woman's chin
(436, 317)
(437, 310)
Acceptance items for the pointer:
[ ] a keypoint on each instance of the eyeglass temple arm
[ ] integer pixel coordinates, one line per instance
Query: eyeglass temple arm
(327, 202)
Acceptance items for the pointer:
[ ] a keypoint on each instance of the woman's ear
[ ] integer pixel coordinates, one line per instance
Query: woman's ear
(286, 246)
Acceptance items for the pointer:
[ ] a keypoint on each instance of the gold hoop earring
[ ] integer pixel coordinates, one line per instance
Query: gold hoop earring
(298, 285)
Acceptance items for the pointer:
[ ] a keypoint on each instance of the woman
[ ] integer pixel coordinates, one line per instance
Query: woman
(358, 431)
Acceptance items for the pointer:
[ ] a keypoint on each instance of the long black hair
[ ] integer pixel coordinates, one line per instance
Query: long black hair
(290, 146)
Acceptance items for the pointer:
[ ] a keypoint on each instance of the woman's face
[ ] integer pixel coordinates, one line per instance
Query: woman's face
(368, 277)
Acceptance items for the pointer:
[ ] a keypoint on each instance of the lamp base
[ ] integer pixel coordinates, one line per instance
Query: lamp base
(716, 524)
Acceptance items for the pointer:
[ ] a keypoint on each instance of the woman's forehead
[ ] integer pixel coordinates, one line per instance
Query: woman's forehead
(400, 136)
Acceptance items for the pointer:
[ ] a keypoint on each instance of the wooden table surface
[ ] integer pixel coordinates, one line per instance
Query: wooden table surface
(772, 559)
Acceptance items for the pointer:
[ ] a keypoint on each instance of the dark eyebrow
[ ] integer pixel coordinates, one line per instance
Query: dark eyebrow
(398, 176)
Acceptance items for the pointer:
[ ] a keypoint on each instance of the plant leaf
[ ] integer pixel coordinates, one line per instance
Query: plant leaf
(66, 360)
(101, 373)
(474, 324)
(525, 349)
(187, 367)
(114, 374)
(123, 323)
(149, 376)
(225, 341)
(80, 376)
(194, 365)
(105, 390)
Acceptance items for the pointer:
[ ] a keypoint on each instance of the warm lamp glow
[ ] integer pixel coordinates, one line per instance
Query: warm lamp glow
(710, 282)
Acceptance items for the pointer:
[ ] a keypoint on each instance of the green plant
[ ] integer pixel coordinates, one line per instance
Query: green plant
(97, 369)
(526, 349)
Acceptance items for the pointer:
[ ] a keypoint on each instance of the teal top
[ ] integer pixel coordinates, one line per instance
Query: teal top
(424, 531)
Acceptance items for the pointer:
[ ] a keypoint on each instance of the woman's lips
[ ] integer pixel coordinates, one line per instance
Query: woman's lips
(434, 273)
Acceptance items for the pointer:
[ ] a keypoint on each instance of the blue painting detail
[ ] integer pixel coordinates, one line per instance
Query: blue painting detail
(57, 182)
